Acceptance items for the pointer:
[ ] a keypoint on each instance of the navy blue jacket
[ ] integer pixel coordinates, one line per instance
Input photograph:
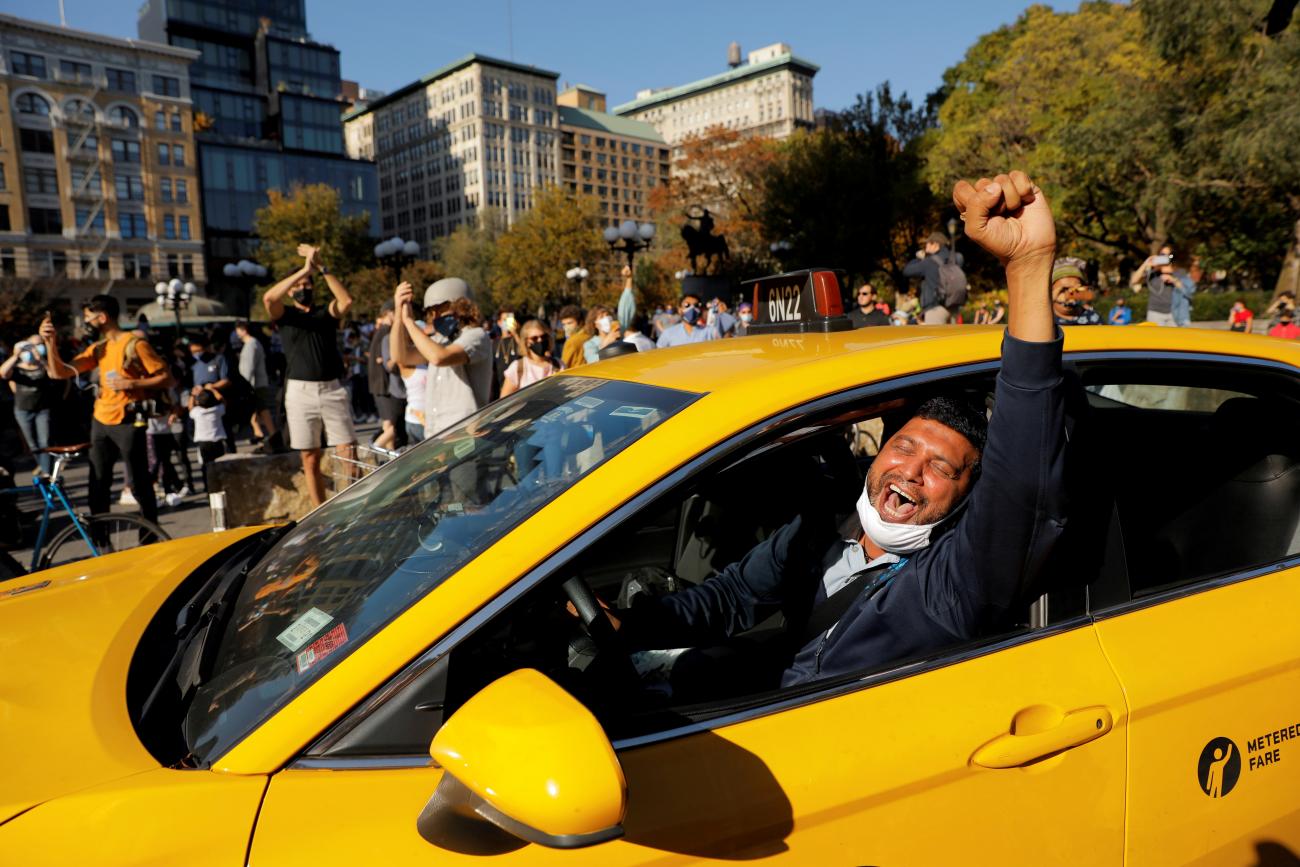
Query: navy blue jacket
(974, 578)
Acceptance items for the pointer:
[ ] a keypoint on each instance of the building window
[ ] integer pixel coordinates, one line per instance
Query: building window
(36, 141)
(129, 187)
(132, 225)
(123, 116)
(4, 219)
(182, 191)
(173, 265)
(87, 225)
(165, 188)
(126, 151)
(4, 184)
(71, 70)
(137, 265)
(8, 262)
(45, 221)
(165, 85)
(187, 267)
(164, 154)
(160, 120)
(185, 228)
(176, 121)
(178, 155)
(120, 79)
(33, 103)
(39, 180)
(169, 227)
(23, 63)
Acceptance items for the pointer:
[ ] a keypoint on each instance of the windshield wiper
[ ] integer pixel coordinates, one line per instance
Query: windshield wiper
(202, 616)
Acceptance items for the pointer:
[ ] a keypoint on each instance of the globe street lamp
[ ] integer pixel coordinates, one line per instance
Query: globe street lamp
(175, 296)
(577, 275)
(954, 226)
(629, 238)
(244, 272)
(781, 249)
(397, 254)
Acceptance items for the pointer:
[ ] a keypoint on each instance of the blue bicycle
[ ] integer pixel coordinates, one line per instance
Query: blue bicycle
(86, 535)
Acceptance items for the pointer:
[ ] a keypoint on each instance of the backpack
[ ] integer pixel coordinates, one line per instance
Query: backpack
(952, 282)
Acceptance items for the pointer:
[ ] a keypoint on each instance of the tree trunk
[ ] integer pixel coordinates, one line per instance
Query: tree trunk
(1289, 279)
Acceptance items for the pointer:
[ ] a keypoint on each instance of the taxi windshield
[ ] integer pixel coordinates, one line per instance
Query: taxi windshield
(357, 562)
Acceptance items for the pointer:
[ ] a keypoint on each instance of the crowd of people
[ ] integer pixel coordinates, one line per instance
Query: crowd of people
(144, 396)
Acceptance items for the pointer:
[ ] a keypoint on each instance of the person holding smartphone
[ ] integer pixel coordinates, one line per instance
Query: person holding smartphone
(130, 373)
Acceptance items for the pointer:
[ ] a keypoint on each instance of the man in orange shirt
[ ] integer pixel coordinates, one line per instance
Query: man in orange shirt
(129, 372)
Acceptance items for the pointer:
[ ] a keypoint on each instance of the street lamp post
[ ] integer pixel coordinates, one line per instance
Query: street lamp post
(954, 226)
(397, 254)
(577, 275)
(781, 249)
(175, 296)
(244, 272)
(629, 238)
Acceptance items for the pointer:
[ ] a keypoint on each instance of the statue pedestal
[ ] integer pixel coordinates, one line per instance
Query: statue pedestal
(707, 288)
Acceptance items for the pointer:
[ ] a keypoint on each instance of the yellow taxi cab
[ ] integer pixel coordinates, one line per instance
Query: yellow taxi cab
(401, 679)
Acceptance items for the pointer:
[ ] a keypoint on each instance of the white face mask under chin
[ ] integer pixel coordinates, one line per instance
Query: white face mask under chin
(894, 538)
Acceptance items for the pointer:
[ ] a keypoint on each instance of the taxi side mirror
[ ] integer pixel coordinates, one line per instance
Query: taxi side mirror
(529, 758)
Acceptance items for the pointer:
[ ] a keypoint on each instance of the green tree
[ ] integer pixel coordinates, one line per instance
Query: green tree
(371, 287)
(311, 214)
(562, 229)
(469, 253)
(852, 195)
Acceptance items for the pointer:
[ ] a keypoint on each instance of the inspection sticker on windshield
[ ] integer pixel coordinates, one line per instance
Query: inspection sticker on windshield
(463, 447)
(303, 628)
(633, 411)
(588, 402)
(321, 648)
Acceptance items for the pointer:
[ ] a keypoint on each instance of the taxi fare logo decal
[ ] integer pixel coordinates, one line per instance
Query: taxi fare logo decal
(1219, 767)
(1220, 764)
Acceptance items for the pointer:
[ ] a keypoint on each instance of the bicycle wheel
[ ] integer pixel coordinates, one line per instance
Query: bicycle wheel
(110, 532)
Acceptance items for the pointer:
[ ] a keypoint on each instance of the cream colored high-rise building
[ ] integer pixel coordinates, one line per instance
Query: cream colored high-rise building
(770, 95)
(477, 133)
(99, 185)
(616, 159)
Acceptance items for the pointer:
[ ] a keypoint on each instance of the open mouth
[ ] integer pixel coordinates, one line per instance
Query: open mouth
(897, 506)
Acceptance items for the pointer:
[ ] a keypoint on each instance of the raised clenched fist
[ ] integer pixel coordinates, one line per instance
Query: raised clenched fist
(1009, 216)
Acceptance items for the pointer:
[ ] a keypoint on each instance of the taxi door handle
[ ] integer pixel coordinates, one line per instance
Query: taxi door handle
(1071, 730)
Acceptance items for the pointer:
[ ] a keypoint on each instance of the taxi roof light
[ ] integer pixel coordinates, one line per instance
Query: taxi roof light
(798, 302)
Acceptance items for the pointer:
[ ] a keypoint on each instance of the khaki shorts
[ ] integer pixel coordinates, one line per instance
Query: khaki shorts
(937, 316)
(310, 407)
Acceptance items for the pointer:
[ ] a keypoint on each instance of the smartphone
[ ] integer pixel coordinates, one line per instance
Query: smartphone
(1161, 260)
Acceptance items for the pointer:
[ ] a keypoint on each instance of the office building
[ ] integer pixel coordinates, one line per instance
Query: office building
(770, 95)
(616, 159)
(98, 186)
(267, 102)
(477, 133)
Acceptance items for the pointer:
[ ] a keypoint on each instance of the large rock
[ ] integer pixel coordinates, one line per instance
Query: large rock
(262, 489)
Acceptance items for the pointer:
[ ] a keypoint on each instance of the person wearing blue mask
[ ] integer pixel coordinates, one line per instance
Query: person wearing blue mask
(35, 394)
(459, 353)
(693, 328)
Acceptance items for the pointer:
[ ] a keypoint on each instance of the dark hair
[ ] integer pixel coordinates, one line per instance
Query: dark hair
(958, 414)
(206, 399)
(572, 311)
(105, 304)
(465, 311)
(686, 295)
(937, 238)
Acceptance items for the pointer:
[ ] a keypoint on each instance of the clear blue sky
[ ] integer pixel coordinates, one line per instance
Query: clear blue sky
(857, 43)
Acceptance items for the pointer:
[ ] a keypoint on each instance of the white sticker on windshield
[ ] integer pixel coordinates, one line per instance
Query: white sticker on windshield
(633, 411)
(463, 447)
(303, 628)
(588, 402)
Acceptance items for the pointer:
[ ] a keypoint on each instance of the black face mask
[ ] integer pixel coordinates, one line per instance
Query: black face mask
(302, 296)
(538, 347)
(447, 325)
(90, 329)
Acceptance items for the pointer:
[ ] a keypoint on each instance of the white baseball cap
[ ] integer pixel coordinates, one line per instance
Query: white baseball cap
(444, 290)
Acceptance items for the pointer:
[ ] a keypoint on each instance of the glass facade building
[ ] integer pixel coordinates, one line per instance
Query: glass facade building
(268, 100)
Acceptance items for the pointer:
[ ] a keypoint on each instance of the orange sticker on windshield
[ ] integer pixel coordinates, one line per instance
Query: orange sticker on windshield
(321, 648)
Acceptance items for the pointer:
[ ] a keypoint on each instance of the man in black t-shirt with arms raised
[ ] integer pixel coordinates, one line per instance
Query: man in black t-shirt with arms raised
(314, 396)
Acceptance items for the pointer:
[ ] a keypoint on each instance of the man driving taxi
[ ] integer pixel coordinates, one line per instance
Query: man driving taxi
(935, 558)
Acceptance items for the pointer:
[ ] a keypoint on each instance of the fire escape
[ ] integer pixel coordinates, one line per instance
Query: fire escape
(84, 135)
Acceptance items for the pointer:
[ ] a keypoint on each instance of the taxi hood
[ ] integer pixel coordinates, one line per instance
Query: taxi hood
(66, 640)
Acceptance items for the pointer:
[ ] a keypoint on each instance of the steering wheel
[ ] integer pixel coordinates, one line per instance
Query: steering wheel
(598, 626)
